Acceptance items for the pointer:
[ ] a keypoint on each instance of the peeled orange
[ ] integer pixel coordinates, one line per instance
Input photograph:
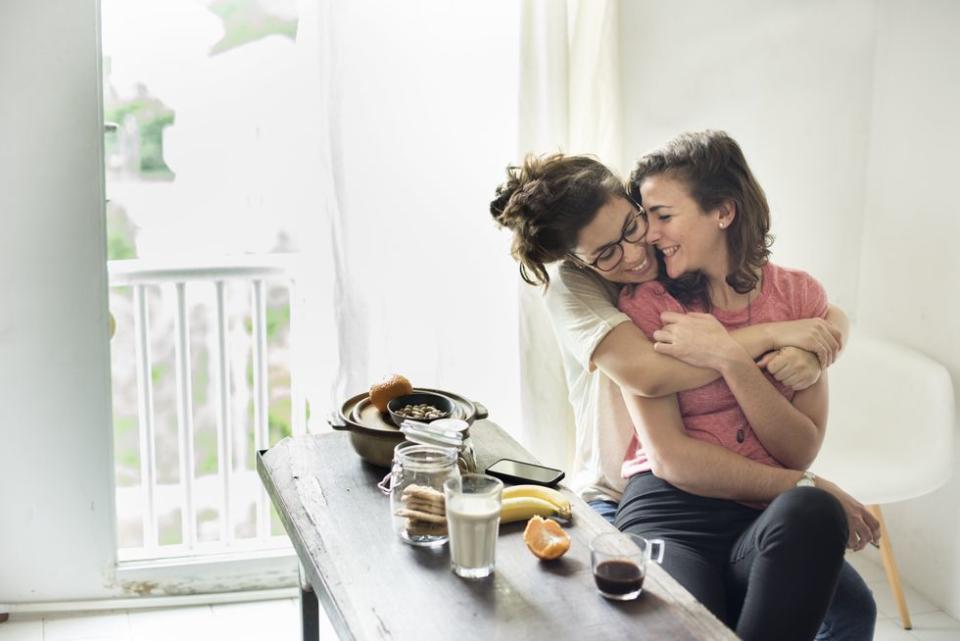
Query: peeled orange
(545, 538)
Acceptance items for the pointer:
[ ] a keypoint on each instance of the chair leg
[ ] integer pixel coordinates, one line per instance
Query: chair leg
(890, 567)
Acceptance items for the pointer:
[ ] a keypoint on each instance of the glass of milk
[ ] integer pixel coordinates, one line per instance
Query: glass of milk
(473, 519)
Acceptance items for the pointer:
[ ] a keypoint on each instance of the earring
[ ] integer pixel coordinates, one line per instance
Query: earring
(722, 225)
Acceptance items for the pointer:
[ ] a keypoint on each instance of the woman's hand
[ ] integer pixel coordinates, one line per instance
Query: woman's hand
(864, 526)
(696, 339)
(792, 366)
(813, 335)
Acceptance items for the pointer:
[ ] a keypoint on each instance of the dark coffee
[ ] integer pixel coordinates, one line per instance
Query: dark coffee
(618, 577)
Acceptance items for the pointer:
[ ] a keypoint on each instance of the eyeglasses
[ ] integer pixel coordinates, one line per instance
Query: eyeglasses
(612, 255)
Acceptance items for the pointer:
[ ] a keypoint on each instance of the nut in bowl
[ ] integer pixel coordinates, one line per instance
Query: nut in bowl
(420, 406)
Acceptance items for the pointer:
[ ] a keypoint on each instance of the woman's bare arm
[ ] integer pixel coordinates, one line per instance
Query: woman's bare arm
(710, 470)
(791, 431)
(792, 436)
(628, 357)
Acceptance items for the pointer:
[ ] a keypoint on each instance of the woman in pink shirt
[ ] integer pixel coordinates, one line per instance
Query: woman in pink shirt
(758, 541)
(571, 210)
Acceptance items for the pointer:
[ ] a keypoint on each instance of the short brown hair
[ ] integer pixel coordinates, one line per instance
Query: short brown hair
(546, 202)
(714, 169)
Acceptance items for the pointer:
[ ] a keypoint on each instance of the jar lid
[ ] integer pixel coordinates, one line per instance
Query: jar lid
(456, 425)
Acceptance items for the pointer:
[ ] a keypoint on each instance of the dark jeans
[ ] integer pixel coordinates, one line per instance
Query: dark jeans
(852, 612)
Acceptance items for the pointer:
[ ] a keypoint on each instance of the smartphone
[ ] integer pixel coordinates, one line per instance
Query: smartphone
(513, 471)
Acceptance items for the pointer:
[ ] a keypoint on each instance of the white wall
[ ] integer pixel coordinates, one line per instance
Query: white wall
(791, 81)
(56, 458)
(910, 263)
(847, 113)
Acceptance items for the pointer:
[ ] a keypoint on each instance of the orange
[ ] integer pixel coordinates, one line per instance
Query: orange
(388, 389)
(545, 538)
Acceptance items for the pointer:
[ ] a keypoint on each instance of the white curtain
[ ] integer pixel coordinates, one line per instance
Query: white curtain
(407, 273)
(570, 102)
(423, 105)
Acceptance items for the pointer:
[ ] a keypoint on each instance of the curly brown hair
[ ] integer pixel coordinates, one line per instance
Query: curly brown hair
(545, 202)
(714, 169)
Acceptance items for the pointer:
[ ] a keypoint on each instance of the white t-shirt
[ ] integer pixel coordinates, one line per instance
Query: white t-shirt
(583, 310)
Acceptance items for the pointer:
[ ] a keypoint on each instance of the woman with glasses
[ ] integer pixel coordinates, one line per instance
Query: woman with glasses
(576, 231)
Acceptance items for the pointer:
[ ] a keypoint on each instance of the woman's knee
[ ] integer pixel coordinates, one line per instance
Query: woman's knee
(806, 512)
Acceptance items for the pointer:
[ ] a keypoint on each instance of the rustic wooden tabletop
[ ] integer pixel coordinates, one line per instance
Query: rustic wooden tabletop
(373, 586)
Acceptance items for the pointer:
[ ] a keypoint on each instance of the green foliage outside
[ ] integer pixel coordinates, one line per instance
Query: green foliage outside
(151, 116)
(158, 371)
(119, 246)
(127, 458)
(246, 21)
(206, 444)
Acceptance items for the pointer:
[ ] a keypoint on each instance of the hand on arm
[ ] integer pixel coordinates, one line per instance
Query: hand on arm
(801, 348)
(823, 337)
(814, 335)
(792, 366)
(710, 470)
(805, 348)
(791, 432)
(633, 362)
(628, 358)
(640, 367)
(838, 319)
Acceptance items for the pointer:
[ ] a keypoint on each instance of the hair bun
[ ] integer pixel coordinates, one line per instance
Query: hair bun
(545, 201)
(503, 207)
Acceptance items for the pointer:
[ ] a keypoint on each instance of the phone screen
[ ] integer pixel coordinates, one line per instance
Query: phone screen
(525, 471)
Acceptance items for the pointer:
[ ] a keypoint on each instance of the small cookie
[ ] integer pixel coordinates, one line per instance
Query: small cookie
(419, 528)
(423, 493)
(421, 516)
(423, 506)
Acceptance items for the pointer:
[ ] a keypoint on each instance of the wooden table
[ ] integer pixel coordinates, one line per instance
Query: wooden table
(373, 586)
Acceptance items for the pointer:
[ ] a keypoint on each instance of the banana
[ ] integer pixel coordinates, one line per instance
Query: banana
(564, 510)
(523, 507)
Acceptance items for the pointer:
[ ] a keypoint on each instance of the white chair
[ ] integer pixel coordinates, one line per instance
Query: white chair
(890, 432)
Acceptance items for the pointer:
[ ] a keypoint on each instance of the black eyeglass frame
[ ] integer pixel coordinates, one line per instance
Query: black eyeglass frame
(639, 213)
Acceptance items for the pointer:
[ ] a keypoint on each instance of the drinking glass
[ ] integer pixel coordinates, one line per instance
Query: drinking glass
(619, 563)
(473, 519)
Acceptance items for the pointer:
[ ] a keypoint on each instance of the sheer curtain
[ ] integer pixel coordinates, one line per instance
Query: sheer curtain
(405, 271)
(423, 104)
(570, 102)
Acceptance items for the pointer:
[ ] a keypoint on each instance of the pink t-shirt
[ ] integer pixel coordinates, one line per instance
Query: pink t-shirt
(711, 413)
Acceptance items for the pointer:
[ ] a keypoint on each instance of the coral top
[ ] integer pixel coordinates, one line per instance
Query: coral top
(711, 413)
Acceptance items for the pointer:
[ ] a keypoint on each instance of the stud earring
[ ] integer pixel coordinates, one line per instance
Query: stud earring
(722, 225)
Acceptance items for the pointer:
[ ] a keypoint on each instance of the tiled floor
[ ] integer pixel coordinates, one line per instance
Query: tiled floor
(278, 620)
(929, 623)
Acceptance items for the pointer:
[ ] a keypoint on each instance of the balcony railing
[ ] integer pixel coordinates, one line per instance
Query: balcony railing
(218, 305)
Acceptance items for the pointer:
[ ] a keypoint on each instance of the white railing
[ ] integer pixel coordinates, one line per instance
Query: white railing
(233, 486)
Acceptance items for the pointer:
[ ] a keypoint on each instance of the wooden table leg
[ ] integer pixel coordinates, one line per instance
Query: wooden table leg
(309, 611)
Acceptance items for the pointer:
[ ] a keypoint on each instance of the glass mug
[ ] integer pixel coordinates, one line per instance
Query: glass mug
(619, 563)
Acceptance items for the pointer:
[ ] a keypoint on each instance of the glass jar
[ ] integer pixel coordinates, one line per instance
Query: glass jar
(417, 506)
(467, 454)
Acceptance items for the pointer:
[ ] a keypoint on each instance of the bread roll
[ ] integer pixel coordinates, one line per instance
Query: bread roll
(388, 389)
